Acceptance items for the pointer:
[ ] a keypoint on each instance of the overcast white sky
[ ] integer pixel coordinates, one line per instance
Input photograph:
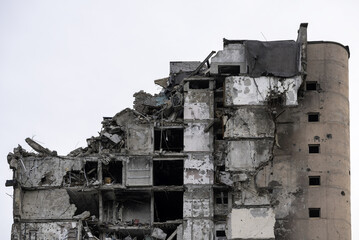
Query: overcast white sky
(66, 64)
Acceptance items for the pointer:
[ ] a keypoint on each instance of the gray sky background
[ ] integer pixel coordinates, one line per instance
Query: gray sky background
(66, 64)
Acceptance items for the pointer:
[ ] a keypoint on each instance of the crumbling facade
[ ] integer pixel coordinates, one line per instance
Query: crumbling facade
(251, 143)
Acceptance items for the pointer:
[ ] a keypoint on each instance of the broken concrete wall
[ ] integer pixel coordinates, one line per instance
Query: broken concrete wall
(198, 105)
(247, 122)
(231, 55)
(47, 204)
(244, 90)
(195, 139)
(198, 202)
(53, 230)
(198, 169)
(48, 171)
(248, 154)
(251, 223)
(139, 138)
(198, 229)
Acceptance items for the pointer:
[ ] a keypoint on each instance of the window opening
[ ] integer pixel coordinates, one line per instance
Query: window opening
(314, 212)
(314, 148)
(199, 84)
(311, 86)
(314, 180)
(168, 206)
(220, 233)
(84, 201)
(167, 173)
(229, 69)
(132, 208)
(112, 173)
(91, 170)
(170, 140)
(313, 117)
(221, 198)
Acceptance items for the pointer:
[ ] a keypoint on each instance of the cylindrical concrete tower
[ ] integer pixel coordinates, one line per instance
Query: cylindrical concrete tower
(317, 147)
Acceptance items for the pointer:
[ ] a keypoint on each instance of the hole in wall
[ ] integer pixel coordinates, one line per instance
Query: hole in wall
(314, 180)
(313, 117)
(199, 84)
(314, 212)
(313, 148)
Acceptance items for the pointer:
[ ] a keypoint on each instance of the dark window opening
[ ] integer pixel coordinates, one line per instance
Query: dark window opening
(168, 206)
(275, 101)
(220, 233)
(84, 201)
(91, 170)
(311, 86)
(112, 172)
(199, 84)
(170, 139)
(314, 148)
(314, 180)
(218, 130)
(221, 168)
(313, 117)
(167, 173)
(229, 69)
(314, 212)
(221, 197)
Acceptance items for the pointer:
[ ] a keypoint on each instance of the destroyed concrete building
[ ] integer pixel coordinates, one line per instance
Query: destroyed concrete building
(251, 143)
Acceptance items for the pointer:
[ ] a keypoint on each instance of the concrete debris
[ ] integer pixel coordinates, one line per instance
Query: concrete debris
(82, 216)
(158, 234)
(40, 149)
(218, 154)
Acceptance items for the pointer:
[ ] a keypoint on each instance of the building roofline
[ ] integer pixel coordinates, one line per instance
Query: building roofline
(321, 42)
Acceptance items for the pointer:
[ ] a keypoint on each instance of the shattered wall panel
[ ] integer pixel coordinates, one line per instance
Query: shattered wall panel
(198, 169)
(47, 204)
(48, 171)
(195, 139)
(139, 138)
(248, 154)
(198, 105)
(232, 54)
(54, 230)
(198, 229)
(244, 90)
(248, 123)
(197, 202)
(251, 223)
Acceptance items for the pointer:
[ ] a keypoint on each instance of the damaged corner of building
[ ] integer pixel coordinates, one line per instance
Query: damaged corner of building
(241, 145)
